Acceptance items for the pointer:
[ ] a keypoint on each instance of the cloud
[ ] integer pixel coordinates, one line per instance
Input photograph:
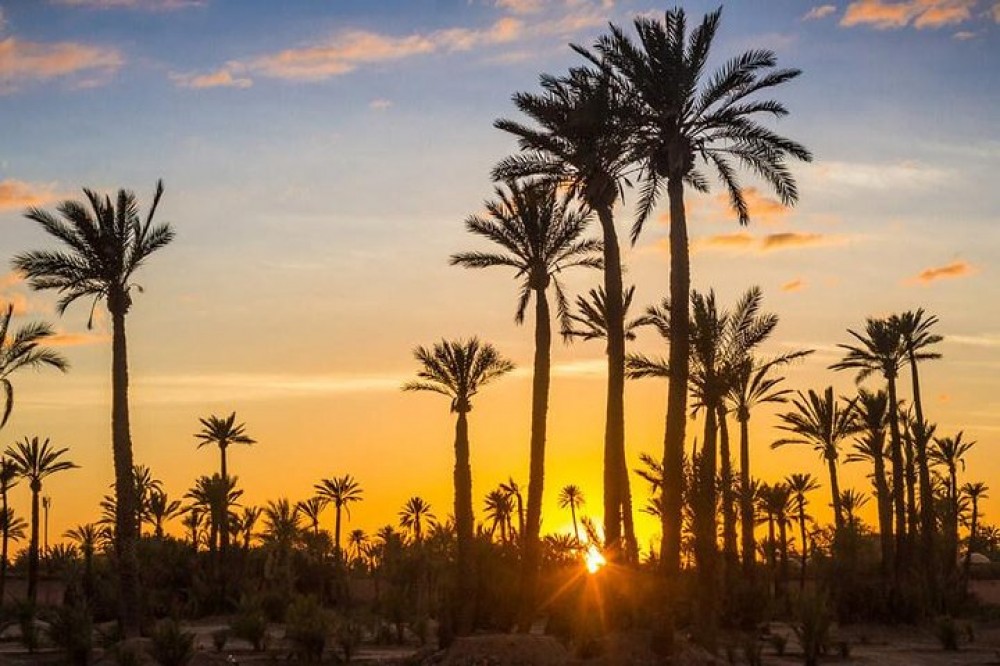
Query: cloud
(788, 239)
(965, 35)
(819, 12)
(149, 5)
(743, 241)
(380, 104)
(18, 195)
(23, 61)
(736, 240)
(521, 6)
(64, 339)
(879, 176)
(762, 208)
(955, 269)
(798, 284)
(884, 15)
(221, 78)
(975, 340)
(19, 301)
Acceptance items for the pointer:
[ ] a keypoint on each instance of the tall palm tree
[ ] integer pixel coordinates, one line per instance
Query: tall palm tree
(821, 422)
(880, 350)
(104, 244)
(35, 460)
(8, 479)
(20, 349)
(682, 116)
(873, 417)
(571, 497)
(415, 514)
(974, 492)
(311, 510)
(341, 492)
(799, 484)
(949, 452)
(161, 509)
(458, 370)
(223, 432)
(579, 140)
(539, 237)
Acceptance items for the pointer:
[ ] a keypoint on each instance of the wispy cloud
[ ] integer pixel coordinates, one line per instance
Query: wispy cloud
(956, 269)
(965, 35)
(68, 339)
(743, 241)
(798, 284)
(220, 78)
(884, 15)
(149, 5)
(996, 12)
(22, 61)
(975, 340)
(521, 6)
(379, 104)
(819, 12)
(17, 194)
(879, 176)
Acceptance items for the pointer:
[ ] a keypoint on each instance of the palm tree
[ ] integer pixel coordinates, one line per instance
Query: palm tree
(975, 492)
(105, 245)
(873, 417)
(682, 116)
(540, 237)
(282, 528)
(145, 485)
(571, 497)
(799, 484)
(513, 491)
(357, 540)
(822, 423)
(8, 479)
(341, 491)
(949, 452)
(579, 141)
(22, 349)
(246, 523)
(215, 497)
(458, 370)
(852, 501)
(34, 461)
(87, 537)
(776, 502)
(415, 514)
(311, 510)
(192, 520)
(880, 350)
(13, 529)
(161, 509)
(223, 432)
(498, 510)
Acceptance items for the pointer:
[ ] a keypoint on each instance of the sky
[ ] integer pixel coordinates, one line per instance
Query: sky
(319, 158)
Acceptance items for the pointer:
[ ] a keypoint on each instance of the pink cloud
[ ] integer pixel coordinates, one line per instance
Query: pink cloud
(956, 269)
(221, 78)
(23, 61)
(883, 15)
(819, 12)
(17, 195)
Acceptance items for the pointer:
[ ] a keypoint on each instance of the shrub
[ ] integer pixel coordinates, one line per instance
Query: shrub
(947, 633)
(307, 625)
(812, 628)
(348, 633)
(71, 628)
(219, 639)
(250, 624)
(26, 617)
(171, 646)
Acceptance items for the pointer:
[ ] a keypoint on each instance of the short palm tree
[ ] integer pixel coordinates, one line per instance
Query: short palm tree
(8, 479)
(578, 139)
(869, 447)
(282, 526)
(341, 492)
(539, 237)
(20, 349)
(246, 523)
(87, 537)
(415, 514)
(571, 497)
(311, 510)
(35, 460)
(949, 452)
(215, 497)
(104, 243)
(13, 529)
(799, 484)
(357, 540)
(458, 370)
(161, 509)
(852, 501)
(974, 492)
(513, 490)
(822, 422)
(683, 117)
(498, 510)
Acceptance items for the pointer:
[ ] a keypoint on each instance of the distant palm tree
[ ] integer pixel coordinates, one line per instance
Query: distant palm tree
(14, 528)
(513, 490)
(35, 460)
(799, 484)
(145, 485)
(87, 537)
(571, 497)
(357, 540)
(215, 497)
(341, 492)
(822, 423)
(776, 502)
(246, 523)
(311, 510)
(681, 116)
(21, 349)
(8, 479)
(105, 244)
(223, 432)
(949, 452)
(498, 510)
(539, 237)
(415, 514)
(162, 509)
(974, 492)
(282, 528)
(579, 141)
(192, 522)
(852, 501)
(458, 370)
(873, 416)
(880, 350)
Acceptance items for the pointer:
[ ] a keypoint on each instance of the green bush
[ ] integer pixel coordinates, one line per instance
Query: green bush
(171, 646)
(71, 628)
(307, 626)
(250, 623)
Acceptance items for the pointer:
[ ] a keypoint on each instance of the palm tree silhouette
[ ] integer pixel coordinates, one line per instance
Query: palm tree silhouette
(799, 484)
(822, 423)
(571, 497)
(35, 460)
(105, 245)
(341, 492)
(223, 432)
(949, 452)
(311, 510)
(458, 370)
(682, 116)
(580, 141)
(540, 237)
(20, 349)
(87, 537)
(357, 540)
(215, 497)
(852, 501)
(415, 514)
(975, 492)
(498, 510)
(873, 417)
(161, 509)
(8, 479)
(513, 490)
(246, 523)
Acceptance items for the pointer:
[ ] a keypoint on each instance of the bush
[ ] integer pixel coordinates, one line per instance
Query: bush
(250, 624)
(348, 633)
(947, 633)
(307, 625)
(26, 617)
(71, 628)
(171, 646)
(219, 639)
(812, 628)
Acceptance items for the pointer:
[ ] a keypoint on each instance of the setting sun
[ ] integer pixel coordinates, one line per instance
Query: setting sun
(594, 559)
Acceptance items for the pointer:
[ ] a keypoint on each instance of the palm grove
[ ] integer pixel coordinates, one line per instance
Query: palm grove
(641, 117)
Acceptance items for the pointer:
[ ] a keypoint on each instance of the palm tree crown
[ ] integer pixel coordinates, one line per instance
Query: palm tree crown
(22, 348)
(34, 460)
(458, 369)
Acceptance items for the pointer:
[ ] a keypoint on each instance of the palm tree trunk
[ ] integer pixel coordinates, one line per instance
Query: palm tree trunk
(3, 549)
(772, 553)
(898, 479)
(673, 440)
(33, 548)
(746, 501)
(783, 568)
(576, 527)
(614, 424)
(838, 511)
(336, 532)
(706, 546)
(805, 543)
(927, 519)
(952, 563)
(967, 565)
(912, 518)
(536, 474)
(224, 528)
(884, 500)
(464, 526)
(125, 518)
(730, 556)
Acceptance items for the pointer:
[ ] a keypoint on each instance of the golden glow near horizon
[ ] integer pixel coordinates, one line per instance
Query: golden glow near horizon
(594, 559)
